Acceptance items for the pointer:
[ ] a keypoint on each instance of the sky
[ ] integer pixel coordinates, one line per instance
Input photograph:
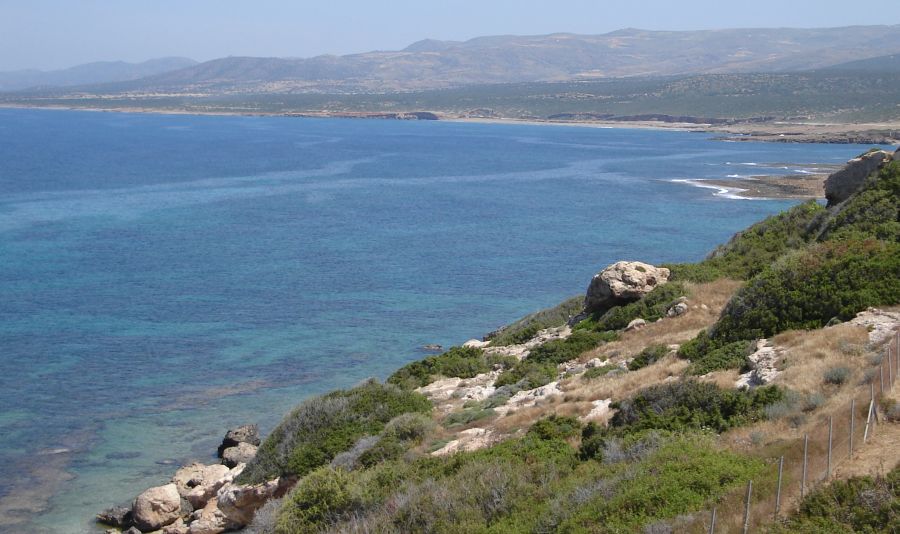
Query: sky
(53, 34)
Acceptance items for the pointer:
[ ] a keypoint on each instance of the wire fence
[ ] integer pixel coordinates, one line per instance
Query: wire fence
(800, 466)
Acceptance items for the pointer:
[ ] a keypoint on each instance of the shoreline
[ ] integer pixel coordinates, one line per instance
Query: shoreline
(771, 132)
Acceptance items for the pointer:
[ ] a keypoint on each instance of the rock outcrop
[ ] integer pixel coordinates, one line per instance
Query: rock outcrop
(117, 516)
(240, 454)
(198, 483)
(238, 503)
(157, 507)
(763, 365)
(242, 434)
(840, 185)
(623, 282)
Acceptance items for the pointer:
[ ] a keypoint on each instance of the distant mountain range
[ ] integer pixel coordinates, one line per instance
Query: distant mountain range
(431, 64)
(90, 73)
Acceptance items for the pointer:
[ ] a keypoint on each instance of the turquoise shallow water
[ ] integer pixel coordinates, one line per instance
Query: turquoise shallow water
(165, 277)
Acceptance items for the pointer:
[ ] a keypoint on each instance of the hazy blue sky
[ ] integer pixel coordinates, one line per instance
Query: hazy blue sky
(60, 33)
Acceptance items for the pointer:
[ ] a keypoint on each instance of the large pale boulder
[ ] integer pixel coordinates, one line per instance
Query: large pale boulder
(198, 483)
(240, 454)
(156, 508)
(623, 282)
(239, 502)
(840, 185)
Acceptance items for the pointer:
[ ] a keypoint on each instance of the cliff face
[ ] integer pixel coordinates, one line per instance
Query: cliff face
(840, 185)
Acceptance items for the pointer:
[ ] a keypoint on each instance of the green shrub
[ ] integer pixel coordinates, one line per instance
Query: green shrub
(651, 307)
(691, 405)
(751, 251)
(860, 504)
(672, 476)
(527, 374)
(837, 375)
(729, 356)
(467, 416)
(318, 499)
(693, 272)
(648, 356)
(321, 427)
(461, 362)
(526, 328)
(804, 291)
(539, 367)
(555, 427)
(597, 372)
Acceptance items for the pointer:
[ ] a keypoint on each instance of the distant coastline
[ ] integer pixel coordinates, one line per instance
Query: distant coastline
(774, 131)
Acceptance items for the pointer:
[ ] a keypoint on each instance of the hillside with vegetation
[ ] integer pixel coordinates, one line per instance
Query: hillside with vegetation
(633, 415)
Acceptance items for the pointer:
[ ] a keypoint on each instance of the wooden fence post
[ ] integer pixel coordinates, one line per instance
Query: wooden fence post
(778, 489)
(805, 452)
(830, 437)
(868, 421)
(747, 507)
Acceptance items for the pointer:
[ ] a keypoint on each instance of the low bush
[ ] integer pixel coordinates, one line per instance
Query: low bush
(837, 376)
(751, 251)
(651, 307)
(526, 328)
(648, 356)
(539, 367)
(461, 362)
(674, 476)
(860, 504)
(807, 289)
(321, 427)
(690, 404)
(603, 370)
(729, 356)
(467, 416)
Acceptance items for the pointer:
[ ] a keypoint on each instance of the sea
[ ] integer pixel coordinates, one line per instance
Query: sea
(166, 277)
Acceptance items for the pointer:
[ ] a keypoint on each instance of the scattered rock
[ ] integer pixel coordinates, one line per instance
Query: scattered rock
(117, 516)
(198, 483)
(881, 324)
(157, 507)
(241, 454)
(600, 410)
(178, 527)
(476, 344)
(528, 398)
(239, 502)
(468, 440)
(242, 434)
(210, 520)
(596, 362)
(636, 324)
(623, 282)
(433, 347)
(478, 387)
(679, 308)
(840, 185)
(132, 530)
(763, 365)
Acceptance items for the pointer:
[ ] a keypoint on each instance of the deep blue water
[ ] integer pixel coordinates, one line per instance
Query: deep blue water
(164, 277)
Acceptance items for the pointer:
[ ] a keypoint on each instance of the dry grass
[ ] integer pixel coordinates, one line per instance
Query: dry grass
(810, 354)
(674, 330)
